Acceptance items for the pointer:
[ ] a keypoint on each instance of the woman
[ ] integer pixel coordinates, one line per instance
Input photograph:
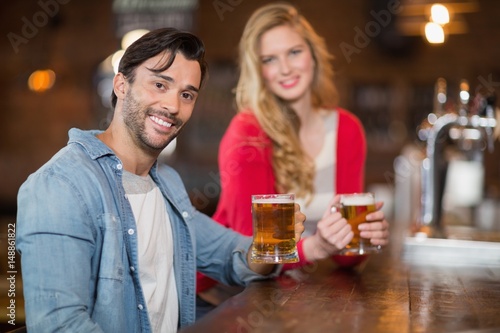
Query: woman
(289, 137)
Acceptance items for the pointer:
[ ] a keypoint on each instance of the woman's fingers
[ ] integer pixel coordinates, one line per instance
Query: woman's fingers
(377, 232)
(335, 230)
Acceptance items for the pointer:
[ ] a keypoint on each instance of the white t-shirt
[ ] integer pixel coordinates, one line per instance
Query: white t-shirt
(324, 180)
(156, 252)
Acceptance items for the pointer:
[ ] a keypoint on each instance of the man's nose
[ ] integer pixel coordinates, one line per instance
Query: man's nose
(170, 102)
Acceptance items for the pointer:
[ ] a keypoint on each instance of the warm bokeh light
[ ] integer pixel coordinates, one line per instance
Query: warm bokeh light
(464, 85)
(106, 66)
(464, 92)
(41, 80)
(431, 118)
(441, 97)
(132, 36)
(464, 96)
(434, 33)
(440, 14)
(115, 59)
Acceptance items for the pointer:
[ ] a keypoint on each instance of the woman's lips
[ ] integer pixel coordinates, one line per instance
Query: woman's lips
(289, 83)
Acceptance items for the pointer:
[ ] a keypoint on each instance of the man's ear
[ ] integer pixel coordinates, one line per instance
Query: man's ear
(119, 85)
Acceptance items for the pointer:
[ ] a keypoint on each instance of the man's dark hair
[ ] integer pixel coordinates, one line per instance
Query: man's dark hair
(157, 41)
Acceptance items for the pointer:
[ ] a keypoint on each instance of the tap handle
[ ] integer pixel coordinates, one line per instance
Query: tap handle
(484, 105)
(464, 97)
(490, 105)
(440, 96)
(489, 112)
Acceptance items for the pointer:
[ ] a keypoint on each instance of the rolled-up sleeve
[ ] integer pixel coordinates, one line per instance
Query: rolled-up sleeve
(222, 253)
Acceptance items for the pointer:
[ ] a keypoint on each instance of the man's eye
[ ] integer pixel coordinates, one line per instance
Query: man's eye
(159, 85)
(187, 96)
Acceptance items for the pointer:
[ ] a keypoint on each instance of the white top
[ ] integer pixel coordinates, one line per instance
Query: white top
(324, 180)
(156, 252)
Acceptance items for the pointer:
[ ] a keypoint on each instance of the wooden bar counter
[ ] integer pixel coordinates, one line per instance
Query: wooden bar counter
(385, 294)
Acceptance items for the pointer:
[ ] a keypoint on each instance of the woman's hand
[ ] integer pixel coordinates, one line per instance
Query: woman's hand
(377, 230)
(333, 233)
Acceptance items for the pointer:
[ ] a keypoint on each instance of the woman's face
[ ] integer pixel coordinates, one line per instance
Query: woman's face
(287, 64)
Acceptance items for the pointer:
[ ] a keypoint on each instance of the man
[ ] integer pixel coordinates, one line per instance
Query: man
(108, 238)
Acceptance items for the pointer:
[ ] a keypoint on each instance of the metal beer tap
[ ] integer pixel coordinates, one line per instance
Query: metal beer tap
(437, 134)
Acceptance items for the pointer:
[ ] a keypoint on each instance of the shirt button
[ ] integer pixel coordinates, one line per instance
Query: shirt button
(119, 166)
(130, 231)
(132, 268)
(185, 214)
(140, 307)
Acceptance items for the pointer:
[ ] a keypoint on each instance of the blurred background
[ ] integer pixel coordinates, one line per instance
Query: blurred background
(57, 69)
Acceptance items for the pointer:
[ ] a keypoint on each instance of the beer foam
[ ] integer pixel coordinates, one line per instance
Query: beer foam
(273, 201)
(358, 200)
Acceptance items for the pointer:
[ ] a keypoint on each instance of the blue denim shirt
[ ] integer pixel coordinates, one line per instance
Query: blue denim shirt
(77, 237)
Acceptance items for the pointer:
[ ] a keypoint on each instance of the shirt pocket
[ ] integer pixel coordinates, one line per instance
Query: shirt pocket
(112, 254)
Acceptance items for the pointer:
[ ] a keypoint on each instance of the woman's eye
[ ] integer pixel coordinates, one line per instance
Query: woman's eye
(296, 51)
(267, 60)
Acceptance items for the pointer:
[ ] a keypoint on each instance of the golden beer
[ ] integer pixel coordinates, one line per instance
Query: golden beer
(354, 208)
(273, 219)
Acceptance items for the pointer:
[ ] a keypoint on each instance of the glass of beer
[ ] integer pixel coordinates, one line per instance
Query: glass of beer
(273, 217)
(354, 208)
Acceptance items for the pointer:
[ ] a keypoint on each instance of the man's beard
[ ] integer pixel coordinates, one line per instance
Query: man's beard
(134, 117)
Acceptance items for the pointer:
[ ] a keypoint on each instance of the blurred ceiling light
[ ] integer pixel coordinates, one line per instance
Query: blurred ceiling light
(434, 33)
(115, 59)
(464, 96)
(431, 118)
(441, 97)
(449, 15)
(106, 66)
(132, 36)
(464, 92)
(127, 40)
(440, 14)
(41, 80)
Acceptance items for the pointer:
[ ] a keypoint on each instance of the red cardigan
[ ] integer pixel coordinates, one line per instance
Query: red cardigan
(245, 168)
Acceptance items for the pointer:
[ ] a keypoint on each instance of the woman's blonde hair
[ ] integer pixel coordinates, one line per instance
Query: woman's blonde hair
(293, 169)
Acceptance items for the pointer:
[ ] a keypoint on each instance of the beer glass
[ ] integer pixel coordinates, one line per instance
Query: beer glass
(354, 208)
(273, 217)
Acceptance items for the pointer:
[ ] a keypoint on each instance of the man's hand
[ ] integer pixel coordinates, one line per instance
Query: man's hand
(300, 218)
